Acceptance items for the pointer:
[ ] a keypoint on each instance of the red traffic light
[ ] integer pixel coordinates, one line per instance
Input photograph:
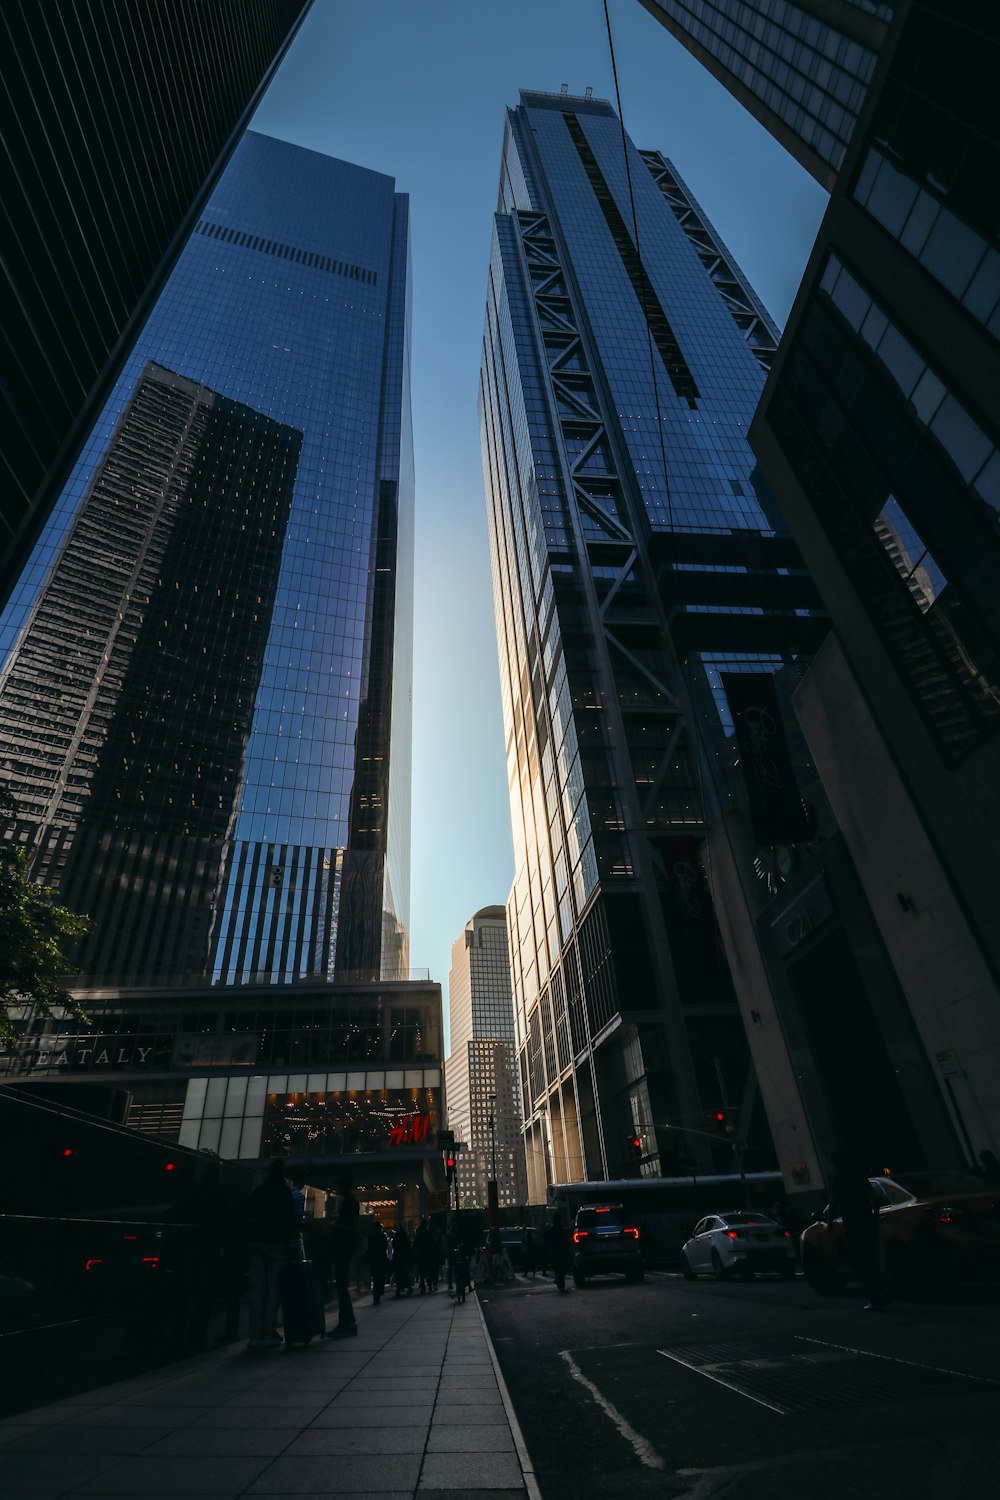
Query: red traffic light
(68, 1151)
(450, 1163)
(720, 1115)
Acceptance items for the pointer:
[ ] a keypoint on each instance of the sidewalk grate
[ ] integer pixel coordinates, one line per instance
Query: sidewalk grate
(788, 1373)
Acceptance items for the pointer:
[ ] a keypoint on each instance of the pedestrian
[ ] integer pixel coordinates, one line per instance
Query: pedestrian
(853, 1200)
(345, 1244)
(298, 1196)
(559, 1257)
(438, 1256)
(402, 1261)
(460, 1267)
(425, 1255)
(530, 1253)
(272, 1226)
(377, 1259)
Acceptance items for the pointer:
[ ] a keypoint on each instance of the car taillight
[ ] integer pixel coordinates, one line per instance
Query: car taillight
(633, 1233)
(732, 1234)
(580, 1234)
(946, 1214)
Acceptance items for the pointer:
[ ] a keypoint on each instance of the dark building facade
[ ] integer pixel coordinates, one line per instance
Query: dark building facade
(205, 697)
(126, 711)
(116, 118)
(879, 433)
(801, 67)
(636, 564)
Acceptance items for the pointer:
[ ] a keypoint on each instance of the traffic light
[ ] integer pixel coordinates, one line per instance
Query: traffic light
(449, 1168)
(718, 1122)
(633, 1148)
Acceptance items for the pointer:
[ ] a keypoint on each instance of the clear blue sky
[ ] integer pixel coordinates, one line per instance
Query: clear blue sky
(417, 89)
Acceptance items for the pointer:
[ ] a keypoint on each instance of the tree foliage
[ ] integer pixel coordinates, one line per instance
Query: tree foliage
(33, 932)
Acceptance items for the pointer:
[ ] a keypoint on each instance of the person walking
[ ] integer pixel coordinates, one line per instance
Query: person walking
(378, 1249)
(460, 1266)
(559, 1257)
(425, 1255)
(345, 1244)
(272, 1225)
(853, 1201)
(402, 1261)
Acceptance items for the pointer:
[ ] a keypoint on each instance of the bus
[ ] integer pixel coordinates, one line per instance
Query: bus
(666, 1209)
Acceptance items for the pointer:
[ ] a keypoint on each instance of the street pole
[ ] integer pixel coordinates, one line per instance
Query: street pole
(737, 1150)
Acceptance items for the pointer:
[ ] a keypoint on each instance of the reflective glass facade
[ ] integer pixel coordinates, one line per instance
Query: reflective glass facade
(116, 117)
(885, 404)
(635, 558)
(800, 66)
(250, 480)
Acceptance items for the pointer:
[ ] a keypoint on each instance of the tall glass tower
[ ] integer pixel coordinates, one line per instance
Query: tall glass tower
(205, 696)
(484, 1108)
(635, 562)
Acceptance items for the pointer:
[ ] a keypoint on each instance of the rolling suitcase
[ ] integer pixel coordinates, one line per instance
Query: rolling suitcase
(302, 1303)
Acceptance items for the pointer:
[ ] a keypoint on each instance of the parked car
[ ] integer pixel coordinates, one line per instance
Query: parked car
(604, 1240)
(933, 1227)
(722, 1245)
(519, 1240)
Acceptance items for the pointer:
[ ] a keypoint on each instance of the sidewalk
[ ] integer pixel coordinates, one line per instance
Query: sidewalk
(412, 1407)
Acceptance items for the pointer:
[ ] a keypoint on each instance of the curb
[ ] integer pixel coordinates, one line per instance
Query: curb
(520, 1446)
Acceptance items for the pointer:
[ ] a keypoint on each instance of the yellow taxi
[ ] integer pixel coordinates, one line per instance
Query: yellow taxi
(933, 1227)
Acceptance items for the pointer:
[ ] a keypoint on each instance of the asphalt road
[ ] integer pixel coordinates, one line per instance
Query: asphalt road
(750, 1390)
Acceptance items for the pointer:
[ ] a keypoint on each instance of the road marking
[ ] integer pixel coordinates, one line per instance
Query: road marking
(644, 1451)
(894, 1359)
(782, 1411)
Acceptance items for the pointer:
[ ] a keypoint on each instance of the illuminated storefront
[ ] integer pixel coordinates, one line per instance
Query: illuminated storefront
(326, 1075)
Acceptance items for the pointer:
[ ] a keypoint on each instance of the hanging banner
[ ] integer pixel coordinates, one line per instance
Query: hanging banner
(776, 809)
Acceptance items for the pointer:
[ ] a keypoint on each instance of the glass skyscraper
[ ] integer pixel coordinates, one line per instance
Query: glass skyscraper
(117, 117)
(636, 561)
(205, 696)
(801, 67)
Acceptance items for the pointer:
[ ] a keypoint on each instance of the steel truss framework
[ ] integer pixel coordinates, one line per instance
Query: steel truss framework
(658, 791)
(598, 494)
(746, 311)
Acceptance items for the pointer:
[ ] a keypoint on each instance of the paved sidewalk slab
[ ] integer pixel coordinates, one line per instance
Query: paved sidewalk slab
(411, 1409)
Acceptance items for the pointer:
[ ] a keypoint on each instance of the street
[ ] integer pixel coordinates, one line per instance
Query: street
(706, 1389)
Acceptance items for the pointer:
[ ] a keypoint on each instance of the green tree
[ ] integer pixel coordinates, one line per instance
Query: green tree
(33, 932)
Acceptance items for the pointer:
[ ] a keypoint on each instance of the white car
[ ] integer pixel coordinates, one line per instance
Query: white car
(741, 1244)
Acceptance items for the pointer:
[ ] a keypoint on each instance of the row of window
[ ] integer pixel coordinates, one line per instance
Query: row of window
(287, 252)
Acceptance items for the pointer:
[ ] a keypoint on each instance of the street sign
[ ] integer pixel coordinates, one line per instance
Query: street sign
(446, 1138)
(948, 1064)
